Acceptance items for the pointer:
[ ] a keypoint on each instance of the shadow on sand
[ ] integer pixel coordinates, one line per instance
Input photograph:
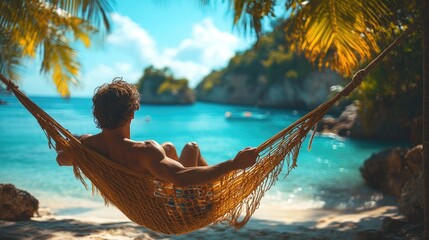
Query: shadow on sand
(255, 229)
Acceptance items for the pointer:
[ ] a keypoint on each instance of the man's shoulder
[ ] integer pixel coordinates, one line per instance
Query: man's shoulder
(143, 144)
(87, 139)
(146, 152)
(84, 137)
(145, 147)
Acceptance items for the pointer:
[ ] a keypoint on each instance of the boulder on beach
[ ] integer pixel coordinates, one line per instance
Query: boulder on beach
(16, 204)
(411, 200)
(382, 171)
(398, 172)
(393, 229)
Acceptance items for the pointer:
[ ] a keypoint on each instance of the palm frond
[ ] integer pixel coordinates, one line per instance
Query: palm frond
(95, 11)
(60, 59)
(337, 34)
(248, 14)
(10, 57)
(35, 26)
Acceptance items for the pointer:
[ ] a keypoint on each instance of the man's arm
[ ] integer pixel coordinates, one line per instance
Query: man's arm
(174, 172)
(63, 159)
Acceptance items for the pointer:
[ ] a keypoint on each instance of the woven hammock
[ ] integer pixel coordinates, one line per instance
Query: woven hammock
(165, 208)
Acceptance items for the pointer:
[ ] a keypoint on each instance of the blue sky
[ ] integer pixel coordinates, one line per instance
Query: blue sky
(189, 39)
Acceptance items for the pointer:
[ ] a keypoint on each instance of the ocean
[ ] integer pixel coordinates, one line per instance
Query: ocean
(327, 176)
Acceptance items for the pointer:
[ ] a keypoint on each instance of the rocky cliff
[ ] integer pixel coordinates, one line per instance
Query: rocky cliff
(157, 86)
(180, 96)
(238, 88)
(269, 74)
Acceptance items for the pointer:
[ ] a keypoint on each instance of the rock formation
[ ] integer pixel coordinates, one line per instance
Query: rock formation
(393, 229)
(304, 94)
(158, 86)
(351, 124)
(182, 96)
(16, 204)
(411, 199)
(382, 171)
(342, 125)
(398, 172)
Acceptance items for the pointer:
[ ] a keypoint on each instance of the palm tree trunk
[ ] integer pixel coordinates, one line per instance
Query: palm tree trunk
(426, 115)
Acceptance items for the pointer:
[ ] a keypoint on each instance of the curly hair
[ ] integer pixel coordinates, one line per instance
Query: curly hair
(114, 103)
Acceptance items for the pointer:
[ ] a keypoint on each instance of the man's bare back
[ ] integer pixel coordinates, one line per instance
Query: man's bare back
(161, 161)
(121, 150)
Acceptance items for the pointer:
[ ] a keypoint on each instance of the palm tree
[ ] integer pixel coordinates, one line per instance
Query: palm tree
(49, 28)
(342, 35)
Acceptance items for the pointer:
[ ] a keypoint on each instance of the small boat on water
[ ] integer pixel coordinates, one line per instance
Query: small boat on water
(246, 115)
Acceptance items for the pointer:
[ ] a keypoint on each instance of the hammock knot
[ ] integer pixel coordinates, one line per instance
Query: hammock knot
(358, 77)
(356, 81)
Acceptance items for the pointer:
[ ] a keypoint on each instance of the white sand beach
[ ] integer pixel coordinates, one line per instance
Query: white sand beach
(100, 222)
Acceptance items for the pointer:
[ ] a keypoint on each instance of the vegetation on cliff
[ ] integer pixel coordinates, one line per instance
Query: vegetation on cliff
(269, 59)
(390, 97)
(158, 86)
(269, 74)
(392, 94)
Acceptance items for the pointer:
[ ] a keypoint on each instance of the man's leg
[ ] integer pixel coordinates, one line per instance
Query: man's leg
(201, 160)
(191, 156)
(170, 150)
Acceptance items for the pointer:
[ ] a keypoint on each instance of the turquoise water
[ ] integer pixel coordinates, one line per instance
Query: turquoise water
(326, 177)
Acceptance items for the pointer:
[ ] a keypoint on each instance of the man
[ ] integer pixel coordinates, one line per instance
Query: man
(114, 105)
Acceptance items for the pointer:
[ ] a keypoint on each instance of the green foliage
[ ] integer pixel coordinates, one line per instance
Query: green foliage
(340, 35)
(161, 81)
(343, 35)
(172, 85)
(270, 59)
(212, 80)
(249, 13)
(395, 86)
(49, 28)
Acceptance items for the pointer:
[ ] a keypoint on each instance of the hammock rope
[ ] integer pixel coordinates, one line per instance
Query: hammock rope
(165, 208)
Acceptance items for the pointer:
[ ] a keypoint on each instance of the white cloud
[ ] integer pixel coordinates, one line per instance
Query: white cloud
(208, 48)
(130, 35)
(211, 46)
(217, 47)
(130, 48)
